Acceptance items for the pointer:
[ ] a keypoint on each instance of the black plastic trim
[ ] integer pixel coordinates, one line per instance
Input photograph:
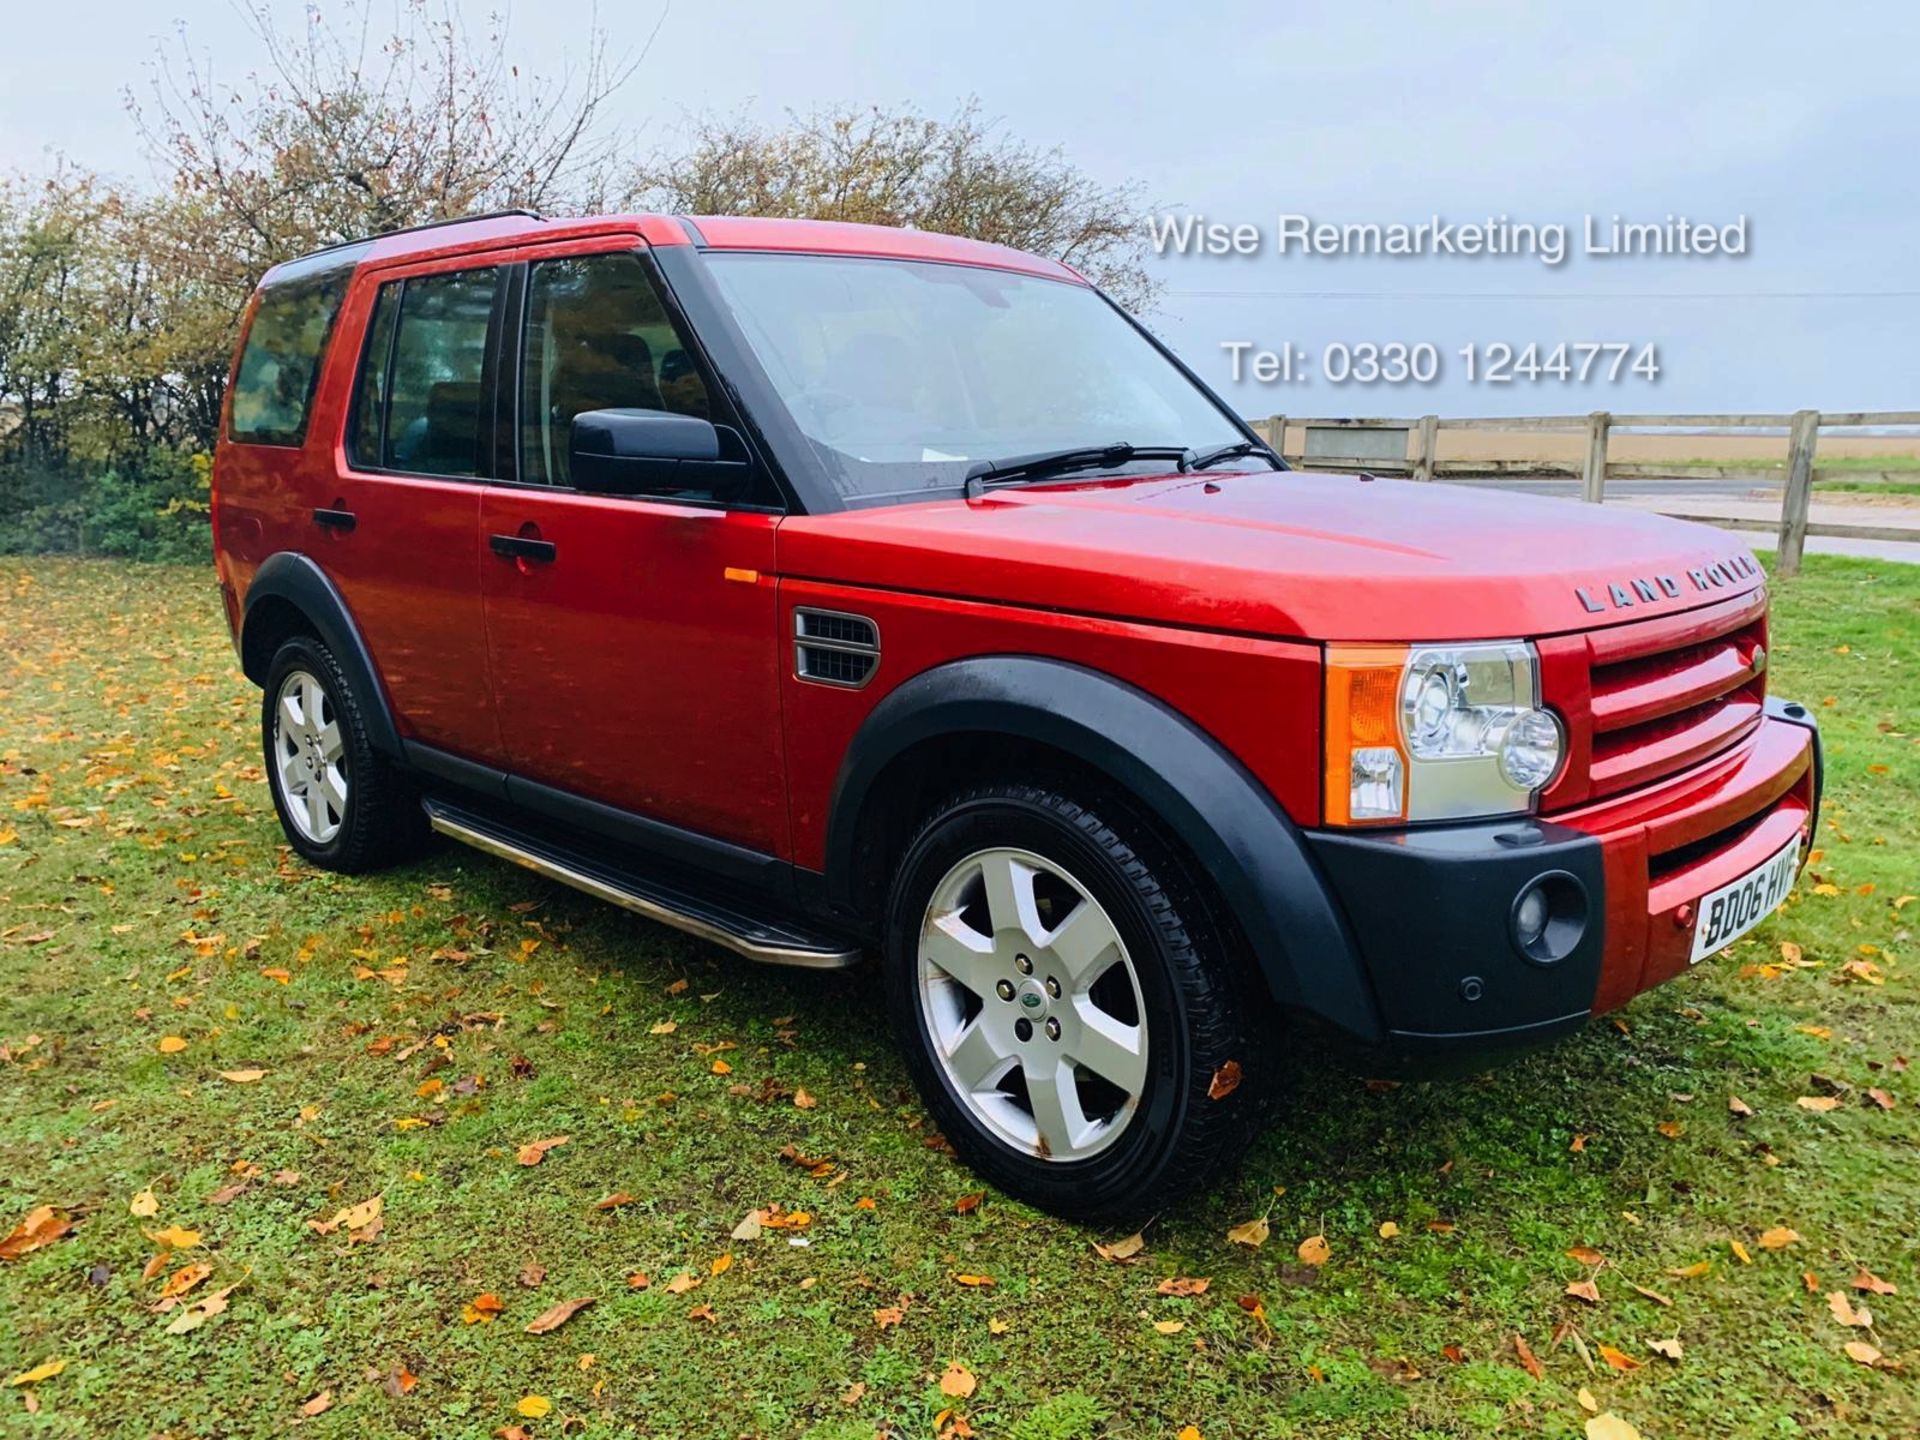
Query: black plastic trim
(1792, 712)
(1231, 825)
(299, 580)
(1431, 910)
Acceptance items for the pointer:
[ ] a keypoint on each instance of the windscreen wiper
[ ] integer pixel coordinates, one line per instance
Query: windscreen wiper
(1059, 462)
(1228, 452)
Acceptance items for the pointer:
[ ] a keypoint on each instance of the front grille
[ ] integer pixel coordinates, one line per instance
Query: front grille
(1666, 694)
(831, 647)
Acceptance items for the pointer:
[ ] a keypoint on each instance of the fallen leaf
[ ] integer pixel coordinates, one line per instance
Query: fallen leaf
(1169, 1327)
(967, 1204)
(558, 1315)
(1122, 1249)
(1528, 1360)
(532, 1273)
(361, 1222)
(1672, 1129)
(1188, 1432)
(975, 1281)
(663, 1027)
(1587, 1255)
(639, 1280)
(703, 1312)
(534, 1407)
(1618, 1360)
(1584, 1290)
(179, 1283)
(720, 1265)
(1740, 1252)
(318, 1405)
(888, 1316)
(1587, 1402)
(43, 1226)
(1314, 1250)
(1820, 1103)
(1693, 1271)
(1253, 1233)
(146, 1205)
(1225, 1081)
(957, 1381)
(1856, 1350)
(243, 1077)
(1870, 1284)
(171, 1044)
(201, 1311)
(174, 1237)
(1388, 1229)
(1653, 1295)
(1883, 1098)
(38, 1373)
(1183, 1286)
(683, 1282)
(803, 1101)
(481, 1309)
(613, 1201)
(1609, 1426)
(534, 1151)
(1845, 1311)
(1669, 1347)
(1778, 1238)
(1737, 1106)
(851, 1395)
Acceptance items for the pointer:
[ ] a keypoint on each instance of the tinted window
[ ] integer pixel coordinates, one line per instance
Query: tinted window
(598, 338)
(370, 390)
(273, 386)
(436, 398)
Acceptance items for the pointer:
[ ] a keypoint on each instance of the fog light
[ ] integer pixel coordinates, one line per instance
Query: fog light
(1549, 917)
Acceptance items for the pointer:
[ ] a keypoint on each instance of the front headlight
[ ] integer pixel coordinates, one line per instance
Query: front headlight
(1436, 732)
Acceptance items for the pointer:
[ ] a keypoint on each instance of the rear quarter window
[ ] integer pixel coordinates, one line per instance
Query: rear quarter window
(280, 362)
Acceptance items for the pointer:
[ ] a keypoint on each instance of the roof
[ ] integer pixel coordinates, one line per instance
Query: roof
(715, 232)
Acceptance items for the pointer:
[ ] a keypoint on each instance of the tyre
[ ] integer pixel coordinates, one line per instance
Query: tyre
(1079, 1030)
(343, 806)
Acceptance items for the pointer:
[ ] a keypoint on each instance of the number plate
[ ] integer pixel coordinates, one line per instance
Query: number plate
(1734, 909)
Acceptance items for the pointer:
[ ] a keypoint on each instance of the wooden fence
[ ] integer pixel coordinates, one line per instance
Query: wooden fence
(1409, 447)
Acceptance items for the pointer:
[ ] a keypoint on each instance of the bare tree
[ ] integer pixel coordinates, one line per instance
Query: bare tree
(357, 124)
(961, 176)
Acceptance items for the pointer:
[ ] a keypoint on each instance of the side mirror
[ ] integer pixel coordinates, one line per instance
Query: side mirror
(646, 452)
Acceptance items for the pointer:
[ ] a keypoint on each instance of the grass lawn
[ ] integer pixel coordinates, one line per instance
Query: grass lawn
(416, 1030)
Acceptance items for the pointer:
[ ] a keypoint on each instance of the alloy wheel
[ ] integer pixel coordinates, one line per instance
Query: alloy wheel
(1032, 1004)
(309, 755)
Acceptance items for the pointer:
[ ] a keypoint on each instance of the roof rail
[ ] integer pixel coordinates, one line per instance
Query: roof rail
(426, 225)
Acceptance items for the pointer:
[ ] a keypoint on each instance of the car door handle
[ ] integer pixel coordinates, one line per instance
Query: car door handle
(335, 519)
(519, 547)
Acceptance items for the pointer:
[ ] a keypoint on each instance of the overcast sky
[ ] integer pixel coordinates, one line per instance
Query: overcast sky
(1806, 121)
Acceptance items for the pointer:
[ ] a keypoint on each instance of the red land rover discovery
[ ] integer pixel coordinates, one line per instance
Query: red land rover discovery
(823, 589)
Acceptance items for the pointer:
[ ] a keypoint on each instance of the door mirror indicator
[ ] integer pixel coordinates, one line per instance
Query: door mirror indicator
(656, 452)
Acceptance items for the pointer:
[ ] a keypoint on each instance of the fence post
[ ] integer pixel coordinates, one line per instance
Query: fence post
(1793, 512)
(1277, 434)
(1423, 459)
(1593, 480)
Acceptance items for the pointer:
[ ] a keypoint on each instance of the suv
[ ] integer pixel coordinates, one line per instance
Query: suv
(825, 589)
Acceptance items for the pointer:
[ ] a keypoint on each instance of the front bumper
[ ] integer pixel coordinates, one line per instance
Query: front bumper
(1431, 910)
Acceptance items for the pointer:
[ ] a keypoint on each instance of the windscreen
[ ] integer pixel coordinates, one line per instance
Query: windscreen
(904, 374)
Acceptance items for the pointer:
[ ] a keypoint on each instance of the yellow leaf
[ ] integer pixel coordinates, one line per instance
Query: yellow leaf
(39, 1372)
(1693, 1271)
(957, 1381)
(1253, 1233)
(1585, 1290)
(481, 1309)
(145, 1205)
(1820, 1104)
(1587, 1402)
(534, 1151)
(175, 1238)
(1670, 1347)
(663, 1027)
(1122, 1249)
(976, 1281)
(243, 1077)
(1740, 1253)
(1778, 1238)
(534, 1407)
(721, 1067)
(1856, 1350)
(1845, 1312)
(201, 1311)
(1609, 1426)
(1388, 1229)
(1314, 1250)
(276, 975)
(171, 1044)
(1188, 1432)
(1169, 1327)
(721, 1264)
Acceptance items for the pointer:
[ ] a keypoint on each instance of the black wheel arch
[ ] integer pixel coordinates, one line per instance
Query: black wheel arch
(291, 594)
(1208, 802)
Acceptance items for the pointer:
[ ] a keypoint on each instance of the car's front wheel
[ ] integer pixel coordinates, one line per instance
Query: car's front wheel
(1078, 1029)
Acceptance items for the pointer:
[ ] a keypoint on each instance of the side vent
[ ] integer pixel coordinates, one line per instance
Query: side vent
(831, 647)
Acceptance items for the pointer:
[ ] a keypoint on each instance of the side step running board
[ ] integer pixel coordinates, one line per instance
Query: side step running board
(770, 942)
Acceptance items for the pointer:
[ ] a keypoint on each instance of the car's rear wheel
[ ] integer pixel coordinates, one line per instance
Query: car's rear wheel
(1078, 1029)
(342, 805)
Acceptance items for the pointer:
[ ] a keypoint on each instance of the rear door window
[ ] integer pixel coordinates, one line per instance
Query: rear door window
(273, 386)
(423, 400)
